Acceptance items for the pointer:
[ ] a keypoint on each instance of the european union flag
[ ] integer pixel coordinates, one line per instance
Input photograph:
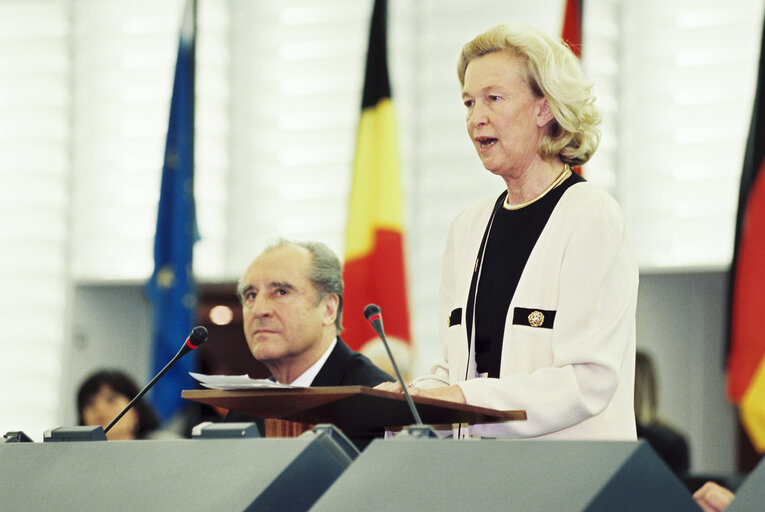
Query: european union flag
(171, 289)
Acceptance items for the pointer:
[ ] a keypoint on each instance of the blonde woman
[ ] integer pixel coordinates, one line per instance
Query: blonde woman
(539, 284)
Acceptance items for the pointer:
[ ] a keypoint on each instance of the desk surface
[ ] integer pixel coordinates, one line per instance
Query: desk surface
(348, 407)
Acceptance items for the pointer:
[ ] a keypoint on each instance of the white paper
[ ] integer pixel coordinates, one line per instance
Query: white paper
(228, 382)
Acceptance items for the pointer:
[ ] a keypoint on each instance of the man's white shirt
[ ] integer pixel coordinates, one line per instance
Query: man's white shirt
(306, 378)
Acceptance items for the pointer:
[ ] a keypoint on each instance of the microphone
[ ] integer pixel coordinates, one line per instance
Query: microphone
(197, 337)
(374, 316)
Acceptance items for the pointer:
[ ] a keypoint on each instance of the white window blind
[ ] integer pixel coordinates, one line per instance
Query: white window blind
(297, 70)
(124, 60)
(34, 208)
(688, 71)
(212, 177)
(124, 55)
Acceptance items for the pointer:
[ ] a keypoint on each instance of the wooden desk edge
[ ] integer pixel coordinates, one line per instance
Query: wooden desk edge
(509, 415)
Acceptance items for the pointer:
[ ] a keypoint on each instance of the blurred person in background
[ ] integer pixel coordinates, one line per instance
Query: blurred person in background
(103, 395)
(667, 441)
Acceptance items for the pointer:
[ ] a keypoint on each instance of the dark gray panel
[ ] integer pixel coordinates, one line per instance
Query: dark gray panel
(750, 496)
(189, 475)
(507, 475)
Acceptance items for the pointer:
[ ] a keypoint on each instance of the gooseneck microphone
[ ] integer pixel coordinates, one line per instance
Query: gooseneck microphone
(197, 337)
(374, 316)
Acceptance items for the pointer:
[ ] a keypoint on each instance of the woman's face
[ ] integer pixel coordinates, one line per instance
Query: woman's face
(504, 119)
(104, 406)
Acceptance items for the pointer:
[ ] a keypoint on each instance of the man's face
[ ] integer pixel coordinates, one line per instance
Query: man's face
(283, 320)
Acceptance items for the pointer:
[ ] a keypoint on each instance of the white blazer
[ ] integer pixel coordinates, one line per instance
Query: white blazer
(576, 379)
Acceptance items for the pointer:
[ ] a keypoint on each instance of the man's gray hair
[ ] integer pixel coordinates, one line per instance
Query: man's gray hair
(325, 272)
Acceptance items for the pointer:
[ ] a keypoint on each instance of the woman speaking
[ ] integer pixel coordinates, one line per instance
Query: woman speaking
(539, 285)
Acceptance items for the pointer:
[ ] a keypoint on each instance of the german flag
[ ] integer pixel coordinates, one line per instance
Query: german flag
(746, 356)
(374, 270)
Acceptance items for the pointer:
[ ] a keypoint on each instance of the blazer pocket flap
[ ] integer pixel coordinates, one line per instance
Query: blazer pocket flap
(542, 318)
(455, 318)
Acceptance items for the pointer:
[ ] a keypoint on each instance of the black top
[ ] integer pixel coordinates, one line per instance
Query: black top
(343, 367)
(508, 247)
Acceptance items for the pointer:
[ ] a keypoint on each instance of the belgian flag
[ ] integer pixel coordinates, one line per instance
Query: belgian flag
(374, 270)
(746, 356)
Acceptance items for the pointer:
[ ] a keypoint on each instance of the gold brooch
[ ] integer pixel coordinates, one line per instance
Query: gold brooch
(536, 319)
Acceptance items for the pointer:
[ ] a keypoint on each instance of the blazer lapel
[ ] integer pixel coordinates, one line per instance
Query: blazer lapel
(332, 371)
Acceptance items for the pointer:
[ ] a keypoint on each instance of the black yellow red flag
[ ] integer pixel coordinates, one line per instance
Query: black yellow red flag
(374, 270)
(746, 356)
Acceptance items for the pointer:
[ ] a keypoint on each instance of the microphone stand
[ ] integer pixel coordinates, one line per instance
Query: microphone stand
(418, 430)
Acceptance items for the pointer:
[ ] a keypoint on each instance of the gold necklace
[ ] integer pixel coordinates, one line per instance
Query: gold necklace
(557, 181)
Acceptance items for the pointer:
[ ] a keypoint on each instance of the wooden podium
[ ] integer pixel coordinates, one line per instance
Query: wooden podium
(346, 407)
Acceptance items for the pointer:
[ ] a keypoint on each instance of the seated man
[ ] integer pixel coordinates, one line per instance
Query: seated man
(292, 303)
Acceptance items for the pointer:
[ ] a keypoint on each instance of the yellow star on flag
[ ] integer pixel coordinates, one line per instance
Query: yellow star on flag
(165, 277)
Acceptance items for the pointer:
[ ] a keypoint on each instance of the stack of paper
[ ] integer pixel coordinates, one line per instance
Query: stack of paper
(228, 382)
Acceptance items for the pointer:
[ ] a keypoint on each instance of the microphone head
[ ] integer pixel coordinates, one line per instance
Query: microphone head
(371, 310)
(198, 335)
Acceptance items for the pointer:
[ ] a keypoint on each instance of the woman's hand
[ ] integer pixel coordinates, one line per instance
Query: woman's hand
(394, 387)
(450, 393)
(712, 497)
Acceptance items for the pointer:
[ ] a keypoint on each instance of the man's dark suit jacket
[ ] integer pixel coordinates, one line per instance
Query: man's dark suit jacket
(343, 367)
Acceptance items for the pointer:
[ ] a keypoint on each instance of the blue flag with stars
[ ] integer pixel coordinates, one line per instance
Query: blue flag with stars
(171, 289)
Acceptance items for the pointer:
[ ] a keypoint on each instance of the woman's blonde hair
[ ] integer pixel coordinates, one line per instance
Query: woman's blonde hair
(552, 72)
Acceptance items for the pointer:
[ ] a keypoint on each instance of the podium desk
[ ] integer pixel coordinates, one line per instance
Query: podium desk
(347, 407)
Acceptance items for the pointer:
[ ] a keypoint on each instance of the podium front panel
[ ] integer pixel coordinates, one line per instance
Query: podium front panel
(517, 475)
(751, 493)
(189, 475)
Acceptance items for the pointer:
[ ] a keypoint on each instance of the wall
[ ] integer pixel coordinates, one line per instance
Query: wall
(111, 327)
(681, 323)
